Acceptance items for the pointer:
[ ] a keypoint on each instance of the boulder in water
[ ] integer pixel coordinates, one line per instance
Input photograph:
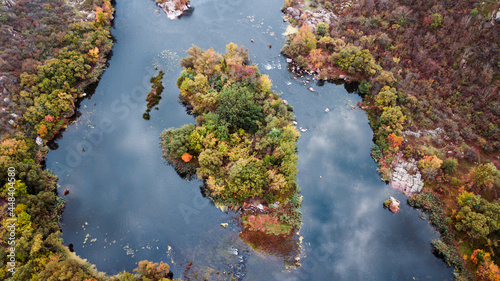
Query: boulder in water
(392, 204)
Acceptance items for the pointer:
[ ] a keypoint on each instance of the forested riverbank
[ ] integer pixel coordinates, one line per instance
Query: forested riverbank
(429, 77)
(51, 52)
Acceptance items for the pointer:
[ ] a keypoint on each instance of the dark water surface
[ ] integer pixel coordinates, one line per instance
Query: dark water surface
(126, 205)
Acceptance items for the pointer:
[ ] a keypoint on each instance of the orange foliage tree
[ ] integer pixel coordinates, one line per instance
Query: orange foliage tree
(49, 118)
(42, 131)
(488, 271)
(395, 140)
(186, 157)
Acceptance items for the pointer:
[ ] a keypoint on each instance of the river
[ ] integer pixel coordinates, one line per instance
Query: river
(126, 204)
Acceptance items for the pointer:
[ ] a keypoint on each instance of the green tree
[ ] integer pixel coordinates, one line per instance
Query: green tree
(301, 43)
(477, 217)
(239, 108)
(177, 140)
(365, 87)
(246, 179)
(449, 165)
(473, 223)
(322, 29)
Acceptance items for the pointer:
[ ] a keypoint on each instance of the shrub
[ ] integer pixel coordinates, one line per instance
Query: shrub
(431, 204)
(384, 40)
(365, 87)
(455, 181)
(437, 21)
(449, 165)
(322, 29)
(448, 253)
(471, 154)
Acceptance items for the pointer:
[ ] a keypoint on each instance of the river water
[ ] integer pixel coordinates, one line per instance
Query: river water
(125, 204)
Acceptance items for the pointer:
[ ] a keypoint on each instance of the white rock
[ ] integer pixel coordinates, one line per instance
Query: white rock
(402, 180)
(39, 140)
(327, 110)
(234, 251)
(169, 9)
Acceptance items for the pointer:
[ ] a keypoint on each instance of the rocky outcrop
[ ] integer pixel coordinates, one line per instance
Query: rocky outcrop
(8, 3)
(406, 176)
(293, 12)
(434, 133)
(173, 8)
(496, 16)
(320, 15)
(312, 18)
(392, 204)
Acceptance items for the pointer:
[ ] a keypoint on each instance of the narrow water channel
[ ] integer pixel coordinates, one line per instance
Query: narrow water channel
(126, 204)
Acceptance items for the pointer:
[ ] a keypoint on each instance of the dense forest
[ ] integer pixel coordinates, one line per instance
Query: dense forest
(429, 75)
(243, 144)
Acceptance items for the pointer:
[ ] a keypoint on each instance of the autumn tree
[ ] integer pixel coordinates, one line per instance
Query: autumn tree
(391, 121)
(301, 43)
(355, 60)
(154, 271)
(488, 270)
(395, 141)
(386, 97)
(210, 162)
(484, 175)
(246, 179)
(430, 165)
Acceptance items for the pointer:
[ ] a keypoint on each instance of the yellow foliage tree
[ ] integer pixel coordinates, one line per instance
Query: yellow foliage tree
(429, 165)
